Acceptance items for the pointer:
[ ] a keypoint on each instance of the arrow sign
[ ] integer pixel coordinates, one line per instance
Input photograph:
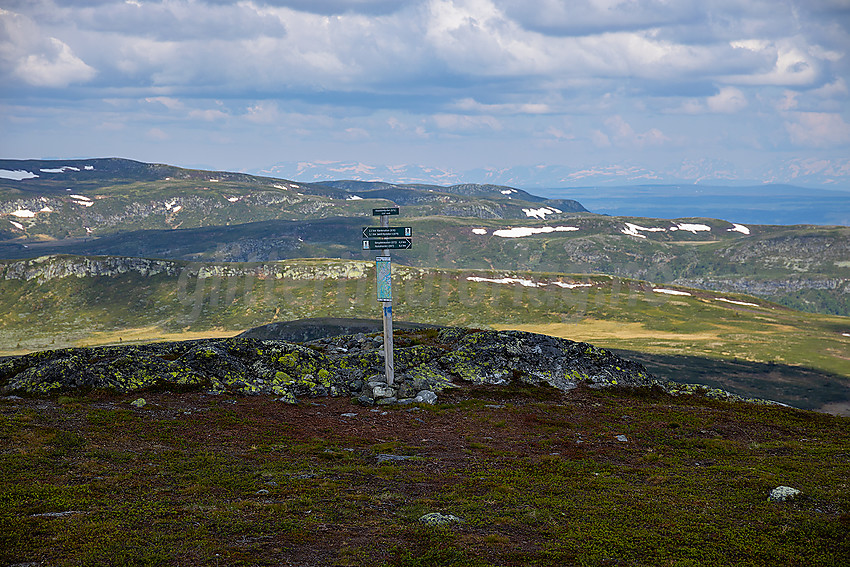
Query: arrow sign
(390, 243)
(387, 231)
(385, 211)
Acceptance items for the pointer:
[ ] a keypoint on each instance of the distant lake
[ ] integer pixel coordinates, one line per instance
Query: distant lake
(763, 204)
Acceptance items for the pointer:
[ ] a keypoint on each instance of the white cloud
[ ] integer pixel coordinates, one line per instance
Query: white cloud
(818, 129)
(36, 58)
(157, 134)
(263, 112)
(622, 133)
(472, 105)
(465, 123)
(729, 100)
(794, 63)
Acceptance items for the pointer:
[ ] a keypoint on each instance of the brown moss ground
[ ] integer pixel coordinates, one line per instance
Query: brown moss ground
(538, 476)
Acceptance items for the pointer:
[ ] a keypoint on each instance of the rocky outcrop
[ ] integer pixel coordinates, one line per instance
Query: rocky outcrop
(426, 362)
(47, 268)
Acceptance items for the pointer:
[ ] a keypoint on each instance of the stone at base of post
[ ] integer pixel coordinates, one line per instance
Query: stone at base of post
(388, 342)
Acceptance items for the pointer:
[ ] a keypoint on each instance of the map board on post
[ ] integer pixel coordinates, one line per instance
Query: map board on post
(384, 278)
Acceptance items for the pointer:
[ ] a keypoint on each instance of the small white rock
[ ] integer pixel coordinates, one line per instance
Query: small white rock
(783, 494)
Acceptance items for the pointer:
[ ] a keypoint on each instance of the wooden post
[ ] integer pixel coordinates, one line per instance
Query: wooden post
(387, 310)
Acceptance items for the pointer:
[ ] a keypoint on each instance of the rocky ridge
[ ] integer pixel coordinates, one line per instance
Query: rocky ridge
(427, 361)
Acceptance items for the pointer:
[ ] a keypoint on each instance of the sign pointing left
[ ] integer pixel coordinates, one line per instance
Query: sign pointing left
(387, 232)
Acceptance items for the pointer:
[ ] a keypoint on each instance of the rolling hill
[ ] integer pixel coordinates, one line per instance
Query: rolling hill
(126, 208)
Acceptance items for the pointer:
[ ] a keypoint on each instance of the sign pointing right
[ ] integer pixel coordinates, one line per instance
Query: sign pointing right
(388, 244)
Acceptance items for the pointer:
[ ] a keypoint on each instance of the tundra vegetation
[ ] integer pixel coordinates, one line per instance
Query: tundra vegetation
(244, 451)
(537, 476)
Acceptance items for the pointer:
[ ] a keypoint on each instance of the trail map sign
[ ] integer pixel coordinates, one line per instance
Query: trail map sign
(384, 277)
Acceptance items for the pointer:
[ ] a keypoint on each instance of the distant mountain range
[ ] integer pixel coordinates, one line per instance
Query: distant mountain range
(121, 207)
(823, 173)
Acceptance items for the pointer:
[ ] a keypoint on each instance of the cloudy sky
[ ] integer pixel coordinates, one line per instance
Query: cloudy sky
(708, 88)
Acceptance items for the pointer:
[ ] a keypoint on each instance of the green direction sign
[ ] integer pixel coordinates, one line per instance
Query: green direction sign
(388, 244)
(385, 211)
(387, 231)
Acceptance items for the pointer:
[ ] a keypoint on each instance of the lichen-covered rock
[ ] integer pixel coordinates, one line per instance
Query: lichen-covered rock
(783, 494)
(425, 363)
(438, 519)
(492, 357)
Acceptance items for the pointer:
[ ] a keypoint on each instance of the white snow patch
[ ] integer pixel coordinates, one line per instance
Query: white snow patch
(294, 186)
(18, 225)
(89, 168)
(479, 231)
(670, 291)
(80, 197)
(46, 209)
(570, 285)
(541, 212)
(23, 214)
(736, 302)
(214, 180)
(694, 227)
(633, 230)
(522, 231)
(231, 199)
(507, 191)
(354, 198)
(524, 283)
(739, 228)
(845, 334)
(170, 204)
(62, 169)
(17, 174)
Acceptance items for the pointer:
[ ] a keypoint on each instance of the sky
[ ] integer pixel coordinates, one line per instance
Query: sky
(697, 90)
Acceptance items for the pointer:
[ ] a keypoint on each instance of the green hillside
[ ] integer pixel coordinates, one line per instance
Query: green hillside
(742, 343)
(125, 208)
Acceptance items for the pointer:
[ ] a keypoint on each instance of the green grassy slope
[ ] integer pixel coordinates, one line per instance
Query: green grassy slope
(607, 311)
(802, 267)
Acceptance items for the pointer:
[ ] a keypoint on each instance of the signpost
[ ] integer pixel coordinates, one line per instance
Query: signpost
(385, 238)
(387, 244)
(384, 211)
(387, 231)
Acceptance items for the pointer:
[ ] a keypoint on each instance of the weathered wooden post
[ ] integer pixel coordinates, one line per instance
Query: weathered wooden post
(386, 239)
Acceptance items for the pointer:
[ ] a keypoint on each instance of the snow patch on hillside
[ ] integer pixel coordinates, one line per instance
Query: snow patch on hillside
(63, 169)
(739, 228)
(541, 212)
(17, 174)
(82, 200)
(354, 198)
(635, 230)
(526, 283)
(18, 225)
(479, 231)
(23, 214)
(695, 228)
(670, 291)
(523, 231)
(735, 302)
